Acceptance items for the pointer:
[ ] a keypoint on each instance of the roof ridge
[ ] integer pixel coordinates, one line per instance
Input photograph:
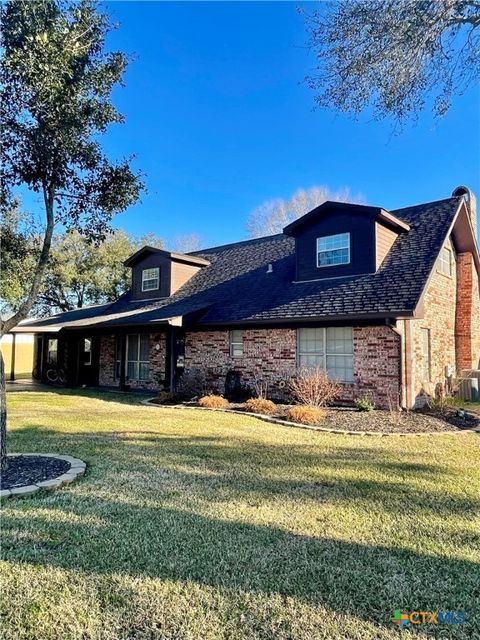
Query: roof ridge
(425, 204)
(234, 244)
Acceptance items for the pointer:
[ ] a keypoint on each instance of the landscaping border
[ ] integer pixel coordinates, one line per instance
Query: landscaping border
(77, 468)
(287, 423)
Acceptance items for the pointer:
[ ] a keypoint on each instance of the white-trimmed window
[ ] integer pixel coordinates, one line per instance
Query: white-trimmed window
(330, 348)
(138, 356)
(150, 279)
(444, 264)
(426, 357)
(236, 343)
(87, 351)
(52, 351)
(333, 250)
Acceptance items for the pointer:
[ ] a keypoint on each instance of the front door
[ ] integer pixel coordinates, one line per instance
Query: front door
(88, 360)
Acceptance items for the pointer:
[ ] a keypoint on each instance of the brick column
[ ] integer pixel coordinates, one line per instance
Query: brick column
(467, 319)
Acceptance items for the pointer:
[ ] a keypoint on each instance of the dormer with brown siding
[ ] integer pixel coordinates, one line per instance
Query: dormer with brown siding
(338, 239)
(158, 274)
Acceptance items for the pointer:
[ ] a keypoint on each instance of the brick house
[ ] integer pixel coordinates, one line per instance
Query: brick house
(387, 301)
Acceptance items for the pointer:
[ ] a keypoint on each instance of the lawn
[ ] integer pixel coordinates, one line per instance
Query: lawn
(198, 525)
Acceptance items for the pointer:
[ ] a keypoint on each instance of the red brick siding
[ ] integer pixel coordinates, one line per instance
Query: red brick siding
(467, 330)
(271, 353)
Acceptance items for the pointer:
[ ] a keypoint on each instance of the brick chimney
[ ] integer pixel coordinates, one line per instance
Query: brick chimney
(471, 203)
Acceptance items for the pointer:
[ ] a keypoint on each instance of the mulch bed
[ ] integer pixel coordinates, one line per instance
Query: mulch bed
(381, 421)
(27, 470)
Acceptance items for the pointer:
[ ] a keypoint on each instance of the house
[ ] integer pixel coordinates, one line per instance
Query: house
(387, 301)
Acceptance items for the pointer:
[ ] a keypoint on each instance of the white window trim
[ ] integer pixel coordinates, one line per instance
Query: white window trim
(138, 361)
(339, 264)
(323, 355)
(154, 279)
(235, 343)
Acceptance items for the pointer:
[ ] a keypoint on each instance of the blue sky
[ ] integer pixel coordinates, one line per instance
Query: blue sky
(220, 121)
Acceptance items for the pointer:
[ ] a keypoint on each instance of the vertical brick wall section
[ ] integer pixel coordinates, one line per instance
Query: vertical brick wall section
(271, 354)
(157, 363)
(467, 327)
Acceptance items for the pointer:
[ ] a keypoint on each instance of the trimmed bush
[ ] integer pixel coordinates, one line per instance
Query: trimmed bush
(260, 405)
(304, 414)
(364, 404)
(167, 397)
(313, 387)
(213, 402)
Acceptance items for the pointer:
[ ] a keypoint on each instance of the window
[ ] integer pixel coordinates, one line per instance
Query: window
(426, 354)
(52, 351)
(236, 343)
(330, 348)
(332, 250)
(150, 279)
(87, 351)
(444, 264)
(138, 357)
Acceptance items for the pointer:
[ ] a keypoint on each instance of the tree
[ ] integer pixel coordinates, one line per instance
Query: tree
(188, 242)
(56, 82)
(272, 215)
(393, 55)
(80, 273)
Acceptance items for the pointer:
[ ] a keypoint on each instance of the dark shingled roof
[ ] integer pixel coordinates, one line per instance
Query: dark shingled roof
(236, 288)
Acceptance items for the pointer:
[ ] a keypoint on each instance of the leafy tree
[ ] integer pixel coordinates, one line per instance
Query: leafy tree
(80, 273)
(394, 54)
(272, 215)
(188, 242)
(56, 82)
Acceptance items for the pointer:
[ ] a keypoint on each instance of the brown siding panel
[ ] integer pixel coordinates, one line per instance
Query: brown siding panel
(384, 241)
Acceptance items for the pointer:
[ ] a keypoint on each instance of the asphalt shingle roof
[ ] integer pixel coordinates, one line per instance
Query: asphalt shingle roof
(236, 287)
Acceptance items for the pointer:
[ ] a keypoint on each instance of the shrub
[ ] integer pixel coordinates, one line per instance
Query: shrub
(304, 414)
(260, 405)
(313, 387)
(192, 383)
(167, 397)
(364, 404)
(213, 402)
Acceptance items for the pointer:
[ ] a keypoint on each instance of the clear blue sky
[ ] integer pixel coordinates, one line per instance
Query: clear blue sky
(220, 121)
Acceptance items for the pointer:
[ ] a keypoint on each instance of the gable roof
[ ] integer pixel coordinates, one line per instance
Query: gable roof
(179, 257)
(235, 288)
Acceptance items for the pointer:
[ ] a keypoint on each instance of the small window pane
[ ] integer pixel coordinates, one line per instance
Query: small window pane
(340, 368)
(132, 347)
(236, 343)
(87, 351)
(144, 371)
(144, 347)
(52, 355)
(132, 370)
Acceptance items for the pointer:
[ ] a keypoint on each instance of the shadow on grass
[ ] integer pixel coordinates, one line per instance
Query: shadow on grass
(365, 581)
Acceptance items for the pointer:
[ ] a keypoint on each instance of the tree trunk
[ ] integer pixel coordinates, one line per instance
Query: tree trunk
(3, 416)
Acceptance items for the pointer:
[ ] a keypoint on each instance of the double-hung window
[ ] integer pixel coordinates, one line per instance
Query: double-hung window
(330, 348)
(150, 279)
(444, 264)
(333, 250)
(138, 356)
(52, 351)
(236, 343)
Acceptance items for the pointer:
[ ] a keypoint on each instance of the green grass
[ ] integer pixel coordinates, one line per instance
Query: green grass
(199, 525)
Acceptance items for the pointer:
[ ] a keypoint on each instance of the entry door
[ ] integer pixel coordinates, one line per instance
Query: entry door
(88, 360)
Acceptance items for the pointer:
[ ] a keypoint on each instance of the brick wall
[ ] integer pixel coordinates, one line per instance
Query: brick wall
(157, 363)
(271, 353)
(439, 317)
(467, 328)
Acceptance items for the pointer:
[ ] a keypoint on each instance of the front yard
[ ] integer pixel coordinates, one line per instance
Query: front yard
(199, 525)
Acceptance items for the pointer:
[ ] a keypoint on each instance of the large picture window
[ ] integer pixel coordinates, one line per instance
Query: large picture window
(332, 250)
(138, 357)
(330, 348)
(150, 279)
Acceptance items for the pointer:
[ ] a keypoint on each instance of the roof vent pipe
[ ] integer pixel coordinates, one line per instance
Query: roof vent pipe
(270, 268)
(471, 203)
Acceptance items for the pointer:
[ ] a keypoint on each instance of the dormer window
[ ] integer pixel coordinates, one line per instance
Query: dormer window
(333, 250)
(150, 279)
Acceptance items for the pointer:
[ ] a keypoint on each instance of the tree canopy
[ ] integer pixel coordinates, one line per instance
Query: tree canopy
(272, 215)
(393, 55)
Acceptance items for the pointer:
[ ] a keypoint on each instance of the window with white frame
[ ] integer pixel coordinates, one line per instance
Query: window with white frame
(333, 250)
(444, 264)
(236, 343)
(426, 372)
(150, 279)
(138, 356)
(330, 348)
